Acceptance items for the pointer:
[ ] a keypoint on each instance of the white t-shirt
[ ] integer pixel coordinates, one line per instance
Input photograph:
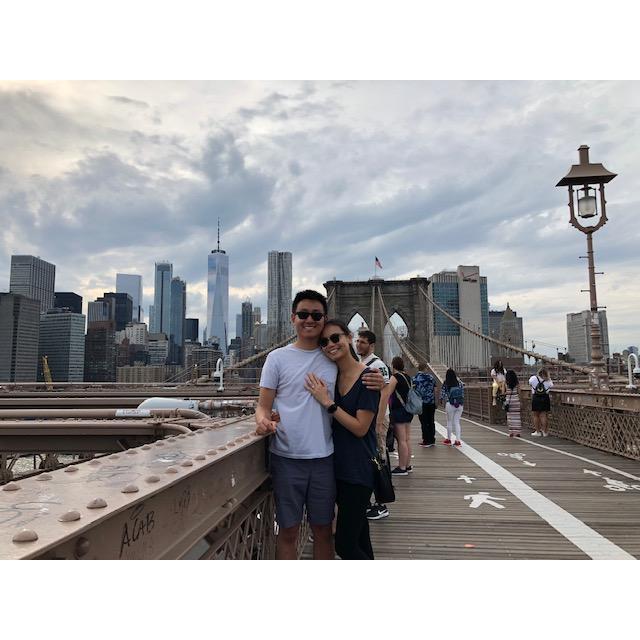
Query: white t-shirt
(534, 380)
(304, 430)
(498, 377)
(375, 362)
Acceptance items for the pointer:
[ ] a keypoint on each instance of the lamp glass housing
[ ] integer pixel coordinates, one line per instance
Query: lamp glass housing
(587, 203)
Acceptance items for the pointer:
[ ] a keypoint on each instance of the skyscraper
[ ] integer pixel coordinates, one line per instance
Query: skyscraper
(33, 278)
(177, 323)
(68, 300)
(19, 332)
(62, 341)
(218, 297)
(579, 335)
(247, 329)
(279, 278)
(131, 284)
(162, 298)
(191, 330)
(123, 308)
(99, 346)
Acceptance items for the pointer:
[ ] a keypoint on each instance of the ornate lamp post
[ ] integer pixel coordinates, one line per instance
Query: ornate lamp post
(586, 176)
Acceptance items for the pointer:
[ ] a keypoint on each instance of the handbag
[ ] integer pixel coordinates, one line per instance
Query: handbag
(382, 482)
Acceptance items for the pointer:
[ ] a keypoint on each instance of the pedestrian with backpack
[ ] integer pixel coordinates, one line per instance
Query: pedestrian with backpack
(405, 403)
(452, 394)
(540, 402)
(425, 385)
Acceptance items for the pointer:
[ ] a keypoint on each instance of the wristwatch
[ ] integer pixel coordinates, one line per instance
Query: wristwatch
(333, 408)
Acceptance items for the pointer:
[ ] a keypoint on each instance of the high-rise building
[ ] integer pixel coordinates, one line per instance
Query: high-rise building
(579, 336)
(33, 278)
(19, 333)
(158, 348)
(218, 297)
(162, 298)
(191, 330)
(68, 300)
(257, 315)
(238, 325)
(62, 341)
(463, 294)
(100, 351)
(507, 327)
(279, 283)
(131, 284)
(152, 318)
(177, 320)
(247, 328)
(123, 308)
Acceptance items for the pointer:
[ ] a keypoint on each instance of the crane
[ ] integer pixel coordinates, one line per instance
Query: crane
(47, 373)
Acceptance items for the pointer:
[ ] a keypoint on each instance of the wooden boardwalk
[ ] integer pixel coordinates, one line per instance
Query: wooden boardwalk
(551, 507)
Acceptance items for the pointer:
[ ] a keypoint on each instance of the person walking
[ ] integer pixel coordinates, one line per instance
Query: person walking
(365, 346)
(540, 402)
(498, 386)
(452, 395)
(425, 385)
(514, 422)
(398, 391)
(353, 411)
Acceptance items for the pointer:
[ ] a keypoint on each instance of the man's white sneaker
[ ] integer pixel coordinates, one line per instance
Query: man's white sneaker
(536, 434)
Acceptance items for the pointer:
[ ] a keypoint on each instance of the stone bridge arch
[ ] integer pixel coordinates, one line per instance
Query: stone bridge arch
(346, 298)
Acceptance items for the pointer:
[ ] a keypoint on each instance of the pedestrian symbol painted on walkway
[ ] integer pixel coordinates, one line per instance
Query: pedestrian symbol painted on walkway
(613, 485)
(520, 457)
(593, 473)
(483, 497)
(466, 479)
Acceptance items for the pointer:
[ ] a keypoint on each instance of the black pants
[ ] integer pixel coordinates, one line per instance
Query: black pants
(352, 527)
(427, 423)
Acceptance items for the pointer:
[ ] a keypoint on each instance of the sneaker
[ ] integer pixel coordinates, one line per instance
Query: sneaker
(518, 435)
(409, 469)
(399, 472)
(446, 441)
(377, 512)
(511, 435)
(536, 434)
(427, 446)
(393, 454)
(457, 443)
(423, 444)
(545, 434)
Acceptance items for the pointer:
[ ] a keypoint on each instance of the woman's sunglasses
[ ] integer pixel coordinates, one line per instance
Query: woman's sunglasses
(334, 337)
(315, 315)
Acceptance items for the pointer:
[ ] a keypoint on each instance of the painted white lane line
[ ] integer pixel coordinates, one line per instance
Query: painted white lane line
(577, 532)
(544, 446)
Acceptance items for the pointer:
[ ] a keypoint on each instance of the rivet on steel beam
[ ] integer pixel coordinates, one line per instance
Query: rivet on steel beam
(231, 444)
(228, 504)
(153, 478)
(146, 447)
(191, 433)
(130, 488)
(131, 452)
(199, 457)
(171, 470)
(26, 535)
(222, 448)
(97, 503)
(69, 516)
(212, 452)
(43, 476)
(114, 456)
(198, 432)
(82, 547)
(12, 486)
(182, 436)
(171, 438)
(187, 463)
(159, 443)
(94, 463)
(71, 469)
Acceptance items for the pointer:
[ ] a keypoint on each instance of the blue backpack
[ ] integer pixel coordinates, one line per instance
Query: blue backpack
(456, 396)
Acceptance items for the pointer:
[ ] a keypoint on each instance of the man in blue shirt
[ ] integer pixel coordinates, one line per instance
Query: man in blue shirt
(425, 385)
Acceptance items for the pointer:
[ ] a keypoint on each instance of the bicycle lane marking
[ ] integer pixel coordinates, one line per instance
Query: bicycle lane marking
(595, 545)
(565, 453)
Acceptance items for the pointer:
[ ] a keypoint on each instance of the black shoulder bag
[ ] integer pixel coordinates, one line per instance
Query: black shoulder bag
(382, 484)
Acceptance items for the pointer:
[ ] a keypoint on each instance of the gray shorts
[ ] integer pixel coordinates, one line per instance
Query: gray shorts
(297, 483)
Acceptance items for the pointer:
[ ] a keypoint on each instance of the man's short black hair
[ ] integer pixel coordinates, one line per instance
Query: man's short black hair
(309, 294)
(369, 335)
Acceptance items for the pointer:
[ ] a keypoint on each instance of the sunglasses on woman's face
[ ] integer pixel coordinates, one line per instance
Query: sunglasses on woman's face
(334, 337)
(315, 315)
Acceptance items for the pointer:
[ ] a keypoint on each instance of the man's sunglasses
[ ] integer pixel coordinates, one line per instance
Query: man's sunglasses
(334, 337)
(315, 315)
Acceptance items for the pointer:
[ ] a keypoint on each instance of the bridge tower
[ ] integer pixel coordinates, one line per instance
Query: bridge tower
(403, 297)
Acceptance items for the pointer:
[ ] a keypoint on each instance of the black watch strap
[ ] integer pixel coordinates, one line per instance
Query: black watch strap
(333, 408)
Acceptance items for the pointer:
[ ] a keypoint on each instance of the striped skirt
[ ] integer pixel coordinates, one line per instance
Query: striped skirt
(513, 415)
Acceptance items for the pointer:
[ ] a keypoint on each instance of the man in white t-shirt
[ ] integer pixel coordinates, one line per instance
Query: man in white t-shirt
(365, 346)
(302, 446)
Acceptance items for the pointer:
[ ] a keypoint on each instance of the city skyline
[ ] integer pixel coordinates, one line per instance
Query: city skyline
(439, 174)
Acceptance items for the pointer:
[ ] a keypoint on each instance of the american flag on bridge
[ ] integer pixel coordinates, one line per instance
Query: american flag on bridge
(377, 263)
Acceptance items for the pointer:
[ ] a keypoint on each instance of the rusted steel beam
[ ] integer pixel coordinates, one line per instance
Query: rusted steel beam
(42, 427)
(161, 500)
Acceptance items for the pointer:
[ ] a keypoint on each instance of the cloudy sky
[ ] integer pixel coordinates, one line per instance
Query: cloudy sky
(105, 177)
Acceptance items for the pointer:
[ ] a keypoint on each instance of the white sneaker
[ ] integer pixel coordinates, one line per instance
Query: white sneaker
(545, 434)
(536, 434)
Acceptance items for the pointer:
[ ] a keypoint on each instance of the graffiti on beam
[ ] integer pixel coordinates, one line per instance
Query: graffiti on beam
(139, 525)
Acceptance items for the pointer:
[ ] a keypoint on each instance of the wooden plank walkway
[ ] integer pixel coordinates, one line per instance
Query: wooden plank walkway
(598, 512)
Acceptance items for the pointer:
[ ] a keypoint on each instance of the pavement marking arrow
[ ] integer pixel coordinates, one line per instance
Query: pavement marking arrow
(593, 473)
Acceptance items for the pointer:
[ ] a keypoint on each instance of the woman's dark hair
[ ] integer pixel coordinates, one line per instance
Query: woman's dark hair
(544, 373)
(422, 366)
(309, 294)
(512, 379)
(398, 363)
(498, 366)
(343, 327)
(451, 379)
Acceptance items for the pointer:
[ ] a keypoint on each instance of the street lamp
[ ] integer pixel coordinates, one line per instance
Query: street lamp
(587, 176)
(635, 373)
